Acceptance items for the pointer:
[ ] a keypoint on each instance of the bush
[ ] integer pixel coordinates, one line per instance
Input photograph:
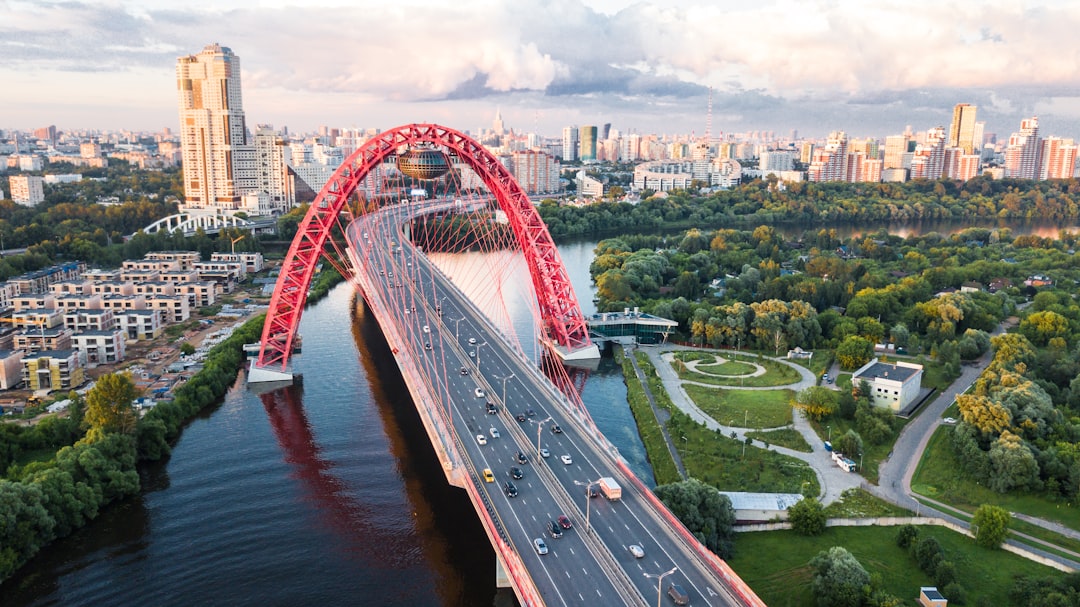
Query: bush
(807, 517)
(927, 554)
(955, 593)
(907, 536)
(992, 524)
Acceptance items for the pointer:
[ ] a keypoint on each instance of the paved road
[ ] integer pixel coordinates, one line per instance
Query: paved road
(459, 352)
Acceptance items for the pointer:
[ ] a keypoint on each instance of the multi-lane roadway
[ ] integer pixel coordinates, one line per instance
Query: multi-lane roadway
(505, 414)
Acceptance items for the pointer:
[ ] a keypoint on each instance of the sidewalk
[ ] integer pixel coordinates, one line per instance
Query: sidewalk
(661, 415)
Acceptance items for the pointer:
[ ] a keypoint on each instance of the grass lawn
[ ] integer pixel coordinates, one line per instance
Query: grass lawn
(941, 477)
(818, 363)
(720, 461)
(759, 408)
(776, 374)
(784, 437)
(843, 381)
(648, 428)
(774, 563)
(859, 503)
(875, 454)
(934, 375)
(728, 367)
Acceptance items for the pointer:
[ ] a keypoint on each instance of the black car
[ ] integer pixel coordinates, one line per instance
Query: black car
(516, 473)
(520, 417)
(510, 489)
(555, 429)
(521, 459)
(464, 371)
(492, 409)
(594, 492)
(554, 530)
(530, 413)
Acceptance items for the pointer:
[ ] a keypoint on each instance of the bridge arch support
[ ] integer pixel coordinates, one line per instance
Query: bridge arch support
(564, 323)
(189, 223)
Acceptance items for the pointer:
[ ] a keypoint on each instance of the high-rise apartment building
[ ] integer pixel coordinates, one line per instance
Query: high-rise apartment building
(1058, 158)
(27, 190)
(536, 171)
(928, 161)
(588, 135)
(962, 130)
(570, 144)
(272, 158)
(830, 163)
(212, 130)
(896, 146)
(1022, 153)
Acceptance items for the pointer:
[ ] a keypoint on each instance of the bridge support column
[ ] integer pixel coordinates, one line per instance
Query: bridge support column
(502, 579)
(259, 375)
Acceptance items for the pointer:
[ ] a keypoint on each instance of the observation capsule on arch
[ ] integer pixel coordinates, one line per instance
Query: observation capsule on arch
(424, 164)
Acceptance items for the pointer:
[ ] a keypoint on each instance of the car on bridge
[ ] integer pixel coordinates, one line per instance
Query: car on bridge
(554, 530)
(427, 346)
(566, 459)
(637, 551)
(510, 489)
(678, 594)
(564, 521)
(556, 429)
(541, 547)
(491, 408)
(494, 432)
(489, 477)
(479, 393)
(480, 438)
(516, 473)
(521, 459)
(427, 329)
(464, 371)
(472, 341)
(544, 453)
(520, 417)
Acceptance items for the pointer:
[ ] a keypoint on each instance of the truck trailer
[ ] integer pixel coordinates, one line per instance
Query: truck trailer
(610, 488)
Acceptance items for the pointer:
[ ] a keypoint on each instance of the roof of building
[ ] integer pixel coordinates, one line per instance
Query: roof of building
(887, 371)
(932, 593)
(628, 317)
(741, 500)
(51, 354)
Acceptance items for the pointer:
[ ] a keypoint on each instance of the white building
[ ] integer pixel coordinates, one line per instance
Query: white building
(253, 262)
(100, 347)
(27, 190)
(140, 325)
(272, 171)
(588, 186)
(892, 385)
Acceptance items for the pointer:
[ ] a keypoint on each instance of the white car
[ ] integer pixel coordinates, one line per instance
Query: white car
(545, 453)
(566, 459)
(472, 341)
(637, 551)
(541, 547)
(480, 438)
(479, 393)
(949, 420)
(494, 432)
(427, 329)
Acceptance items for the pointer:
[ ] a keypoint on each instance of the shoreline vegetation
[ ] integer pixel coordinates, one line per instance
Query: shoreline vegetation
(50, 497)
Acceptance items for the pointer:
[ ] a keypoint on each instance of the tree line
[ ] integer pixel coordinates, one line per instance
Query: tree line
(97, 447)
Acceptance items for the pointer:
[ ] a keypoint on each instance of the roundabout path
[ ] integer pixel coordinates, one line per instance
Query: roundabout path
(832, 479)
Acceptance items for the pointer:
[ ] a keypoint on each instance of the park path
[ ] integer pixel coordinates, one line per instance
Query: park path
(832, 480)
(661, 415)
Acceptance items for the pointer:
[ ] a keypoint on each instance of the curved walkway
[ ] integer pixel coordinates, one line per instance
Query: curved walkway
(832, 479)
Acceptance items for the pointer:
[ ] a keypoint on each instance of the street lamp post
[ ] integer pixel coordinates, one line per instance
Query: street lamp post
(588, 502)
(503, 380)
(829, 428)
(457, 323)
(539, 427)
(660, 582)
(483, 343)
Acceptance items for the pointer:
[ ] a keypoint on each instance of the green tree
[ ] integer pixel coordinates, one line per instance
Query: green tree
(705, 512)
(992, 525)
(907, 536)
(807, 517)
(109, 404)
(817, 401)
(839, 578)
(850, 443)
(187, 349)
(854, 352)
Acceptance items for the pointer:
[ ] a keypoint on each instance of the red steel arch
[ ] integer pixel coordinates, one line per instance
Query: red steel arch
(563, 320)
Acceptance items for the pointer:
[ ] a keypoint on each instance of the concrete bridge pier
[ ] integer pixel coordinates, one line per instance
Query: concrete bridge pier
(502, 578)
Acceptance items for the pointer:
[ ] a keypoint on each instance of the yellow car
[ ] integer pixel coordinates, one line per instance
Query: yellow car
(488, 476)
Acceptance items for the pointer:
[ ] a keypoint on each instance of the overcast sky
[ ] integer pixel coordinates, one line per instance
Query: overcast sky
(869, 67)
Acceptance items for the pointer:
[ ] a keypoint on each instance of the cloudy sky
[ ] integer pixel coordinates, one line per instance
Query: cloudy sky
(869, 67)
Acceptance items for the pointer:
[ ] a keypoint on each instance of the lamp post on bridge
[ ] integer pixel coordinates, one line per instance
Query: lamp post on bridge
(457, 323)
(588, 500)
(660, 581)
(539, 427)
(483, 343)
(503, 380)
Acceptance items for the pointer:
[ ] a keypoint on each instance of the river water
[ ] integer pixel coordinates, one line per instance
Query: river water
(326, 494)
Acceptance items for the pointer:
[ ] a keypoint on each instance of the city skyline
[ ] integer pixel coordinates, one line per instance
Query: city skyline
(867, 68)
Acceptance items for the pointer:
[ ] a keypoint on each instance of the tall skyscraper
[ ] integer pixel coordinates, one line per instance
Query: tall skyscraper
(569, 144)
(895, 148)
(588, 136)
(212, 130)
(497, 126)
(1058, 158)
(1022, 153)
(962, 131)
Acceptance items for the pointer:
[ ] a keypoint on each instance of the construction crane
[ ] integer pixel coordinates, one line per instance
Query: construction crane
(234, 241)
(40, 322)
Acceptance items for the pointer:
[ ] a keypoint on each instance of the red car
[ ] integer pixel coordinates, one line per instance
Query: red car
(564, 522)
